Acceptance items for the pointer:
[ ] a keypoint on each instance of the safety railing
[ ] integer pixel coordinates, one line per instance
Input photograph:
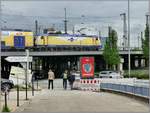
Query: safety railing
(134, 90)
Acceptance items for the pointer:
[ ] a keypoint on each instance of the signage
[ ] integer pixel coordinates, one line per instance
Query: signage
(87, 67)
(18, 59)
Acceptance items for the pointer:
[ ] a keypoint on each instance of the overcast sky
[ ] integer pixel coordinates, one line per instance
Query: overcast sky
(99, 14)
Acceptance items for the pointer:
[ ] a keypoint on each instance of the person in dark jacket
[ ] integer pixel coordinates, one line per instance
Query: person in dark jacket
(71, 79)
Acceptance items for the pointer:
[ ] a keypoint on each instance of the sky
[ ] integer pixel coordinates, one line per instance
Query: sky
(96, 15)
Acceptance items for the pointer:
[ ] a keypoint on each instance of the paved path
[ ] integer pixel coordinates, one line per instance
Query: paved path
(12, 99)
(80, 101)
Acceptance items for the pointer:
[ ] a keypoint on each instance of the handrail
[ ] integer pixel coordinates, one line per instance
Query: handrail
(129, 89)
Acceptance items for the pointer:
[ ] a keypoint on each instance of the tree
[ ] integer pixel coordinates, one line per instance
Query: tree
(145, 44)
(58, 32)
(110, 54)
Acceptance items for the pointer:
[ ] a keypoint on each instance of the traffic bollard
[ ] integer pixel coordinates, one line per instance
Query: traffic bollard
(17, 95)
(32, 88)
(37, 83)
(5, 99)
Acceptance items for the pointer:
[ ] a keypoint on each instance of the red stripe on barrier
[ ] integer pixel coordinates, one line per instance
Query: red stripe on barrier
(87, 81)
(84, 81)
(91, 81)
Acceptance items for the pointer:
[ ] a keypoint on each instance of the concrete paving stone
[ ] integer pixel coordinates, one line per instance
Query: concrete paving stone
(12, 99)
(60, 100)
(80, 101)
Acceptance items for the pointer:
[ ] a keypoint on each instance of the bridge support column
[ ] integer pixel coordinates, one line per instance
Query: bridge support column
(136, 63)
(143, 63)
(139, 62)
(146, 63)
(133, 62)
(78, 64)
(120, 66)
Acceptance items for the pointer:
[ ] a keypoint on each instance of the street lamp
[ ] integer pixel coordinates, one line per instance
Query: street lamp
(124, 30)
(5, 22)
(129, 63)
(149, 33)
(82, 19)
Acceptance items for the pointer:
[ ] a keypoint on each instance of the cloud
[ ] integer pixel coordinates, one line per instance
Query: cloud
(22, 14)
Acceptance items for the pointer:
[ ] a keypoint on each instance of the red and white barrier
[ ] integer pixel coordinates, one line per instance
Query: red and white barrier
(89, 85)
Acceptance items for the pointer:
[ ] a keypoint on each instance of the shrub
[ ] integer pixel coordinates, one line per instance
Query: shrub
(139, 74)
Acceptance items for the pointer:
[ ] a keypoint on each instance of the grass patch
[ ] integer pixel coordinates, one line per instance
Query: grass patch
(23, 87)
(6, 109)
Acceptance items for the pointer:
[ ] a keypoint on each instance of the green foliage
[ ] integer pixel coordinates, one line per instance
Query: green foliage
(58, 32)
(110, 54)
(107, 52)
(23, 87)
(6, 109)
(139, 74)
(96, 74)
(145, 43)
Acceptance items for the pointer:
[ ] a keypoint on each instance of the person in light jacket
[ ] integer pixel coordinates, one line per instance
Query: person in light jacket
(51, 78)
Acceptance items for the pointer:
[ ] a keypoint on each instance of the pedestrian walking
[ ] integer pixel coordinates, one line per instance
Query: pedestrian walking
(51, 78)
(71, 79)
(65, 76)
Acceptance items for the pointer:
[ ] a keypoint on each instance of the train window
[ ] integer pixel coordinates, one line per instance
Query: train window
(2, 42)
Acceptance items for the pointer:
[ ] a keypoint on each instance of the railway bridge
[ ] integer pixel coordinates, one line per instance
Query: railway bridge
(61, 60)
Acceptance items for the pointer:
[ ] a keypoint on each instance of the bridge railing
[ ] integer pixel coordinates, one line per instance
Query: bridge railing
(129, 89)
(131, 48)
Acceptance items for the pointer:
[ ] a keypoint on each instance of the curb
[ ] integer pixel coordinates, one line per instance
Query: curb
(25, 104)
(136, 97)
(21, 107)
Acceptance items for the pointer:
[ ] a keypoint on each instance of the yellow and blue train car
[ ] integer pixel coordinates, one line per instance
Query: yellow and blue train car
(67, 40)
(16, 39)
(26, 39)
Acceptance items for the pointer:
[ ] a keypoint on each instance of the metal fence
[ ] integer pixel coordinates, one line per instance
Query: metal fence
(135, 90)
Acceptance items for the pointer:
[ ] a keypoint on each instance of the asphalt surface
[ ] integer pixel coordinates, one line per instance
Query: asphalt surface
(59, 100)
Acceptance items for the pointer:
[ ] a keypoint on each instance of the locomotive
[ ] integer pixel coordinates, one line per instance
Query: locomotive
(20, 40)
(16, 40)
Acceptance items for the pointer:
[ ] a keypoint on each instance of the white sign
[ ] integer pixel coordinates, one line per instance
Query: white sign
(18, 59)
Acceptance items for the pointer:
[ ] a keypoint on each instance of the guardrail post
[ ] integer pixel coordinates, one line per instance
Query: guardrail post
(5, 99)
(37, 83)
(32, 88)
(17, 95)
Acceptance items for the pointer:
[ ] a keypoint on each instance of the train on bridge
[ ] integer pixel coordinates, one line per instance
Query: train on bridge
(21, 40)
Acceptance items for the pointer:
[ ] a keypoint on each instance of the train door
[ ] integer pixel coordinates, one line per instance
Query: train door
(19, 41)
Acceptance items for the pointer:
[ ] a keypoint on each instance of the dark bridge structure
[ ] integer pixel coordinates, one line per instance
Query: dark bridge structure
(63, 53)
(58, 61)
